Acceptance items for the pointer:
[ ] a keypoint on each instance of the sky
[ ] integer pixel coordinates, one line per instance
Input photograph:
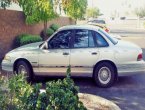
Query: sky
(14, 7)
(108, 7)
(121, 6)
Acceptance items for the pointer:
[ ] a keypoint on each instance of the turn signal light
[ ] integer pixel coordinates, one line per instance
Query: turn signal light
(107, 30)
(139, 58)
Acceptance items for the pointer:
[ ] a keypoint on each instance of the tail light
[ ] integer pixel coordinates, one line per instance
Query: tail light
(107, 30)
(139, 57)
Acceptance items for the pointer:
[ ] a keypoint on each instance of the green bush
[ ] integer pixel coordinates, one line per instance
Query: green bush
(59, 95)
(17, 94)
(24, 39)
(49, 32)
(14, 92)
(55, 27)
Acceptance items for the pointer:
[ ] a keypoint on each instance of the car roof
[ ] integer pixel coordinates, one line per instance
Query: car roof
(89, 27)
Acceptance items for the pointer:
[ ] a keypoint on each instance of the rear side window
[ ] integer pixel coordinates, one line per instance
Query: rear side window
(100, 41)
(83, 39)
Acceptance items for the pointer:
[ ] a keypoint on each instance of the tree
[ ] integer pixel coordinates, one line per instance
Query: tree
(140, 12)
(93, 12)
(6, 3)
(46, 10)
(75, 8)
(37, 11)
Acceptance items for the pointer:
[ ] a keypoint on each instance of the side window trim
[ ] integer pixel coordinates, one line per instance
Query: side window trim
(72, 39)
(94, 38)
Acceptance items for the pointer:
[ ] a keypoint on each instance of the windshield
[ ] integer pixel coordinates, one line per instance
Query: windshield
(41, 45)
(113, 40)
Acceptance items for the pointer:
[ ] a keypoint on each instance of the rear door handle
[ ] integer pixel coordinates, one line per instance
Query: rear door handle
(94, 53)
(65, 53)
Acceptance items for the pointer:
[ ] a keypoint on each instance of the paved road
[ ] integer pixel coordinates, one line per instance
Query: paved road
(125, 32)
(127, 28)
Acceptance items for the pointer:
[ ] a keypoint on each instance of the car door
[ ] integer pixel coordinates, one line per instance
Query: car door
(84, 53)
(55, 59)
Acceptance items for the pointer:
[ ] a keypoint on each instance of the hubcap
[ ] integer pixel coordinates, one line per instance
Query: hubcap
(22, 70)
(104, 75)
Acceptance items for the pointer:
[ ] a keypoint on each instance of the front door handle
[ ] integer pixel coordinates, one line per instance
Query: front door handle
(94, 53)
(65, 53)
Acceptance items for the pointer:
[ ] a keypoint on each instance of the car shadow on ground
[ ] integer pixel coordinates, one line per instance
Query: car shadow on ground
(126, 92)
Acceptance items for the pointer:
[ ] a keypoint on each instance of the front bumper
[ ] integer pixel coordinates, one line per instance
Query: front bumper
(7, 66)
(137, 67)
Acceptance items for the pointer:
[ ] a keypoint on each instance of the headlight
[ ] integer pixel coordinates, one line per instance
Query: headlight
(8, 58)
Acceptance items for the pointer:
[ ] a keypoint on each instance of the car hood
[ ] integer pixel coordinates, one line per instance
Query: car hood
(31, 46)
(126, 44)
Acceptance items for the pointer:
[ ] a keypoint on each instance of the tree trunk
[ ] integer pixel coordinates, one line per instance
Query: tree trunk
(75, 21)
(45, 29)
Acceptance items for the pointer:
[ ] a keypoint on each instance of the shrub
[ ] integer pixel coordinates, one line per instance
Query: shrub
(55, 27)
(49, 32)
(14, 92)
(17, 40)
(30, 39)
(24, 39)
(59, 95)
(4, 102)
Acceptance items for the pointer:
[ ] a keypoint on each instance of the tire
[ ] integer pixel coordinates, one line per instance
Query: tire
(104, 75)
(23, 68)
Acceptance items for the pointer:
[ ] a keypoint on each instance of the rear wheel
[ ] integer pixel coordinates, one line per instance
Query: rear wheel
(23, 68)
(104, 74)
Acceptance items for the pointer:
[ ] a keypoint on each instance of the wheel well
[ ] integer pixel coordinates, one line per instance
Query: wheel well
(116, 75)
(21, 59)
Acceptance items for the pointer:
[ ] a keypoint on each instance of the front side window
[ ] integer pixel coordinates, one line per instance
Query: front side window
(83, 39)
(60, 40)
(100, 41)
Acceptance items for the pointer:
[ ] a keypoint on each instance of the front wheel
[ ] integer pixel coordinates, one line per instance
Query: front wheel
(23, 68)
(104, 74)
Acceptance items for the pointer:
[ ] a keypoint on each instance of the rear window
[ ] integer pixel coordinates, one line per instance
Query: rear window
(114, 41)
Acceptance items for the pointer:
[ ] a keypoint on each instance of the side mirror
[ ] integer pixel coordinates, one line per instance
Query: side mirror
(45, 46)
